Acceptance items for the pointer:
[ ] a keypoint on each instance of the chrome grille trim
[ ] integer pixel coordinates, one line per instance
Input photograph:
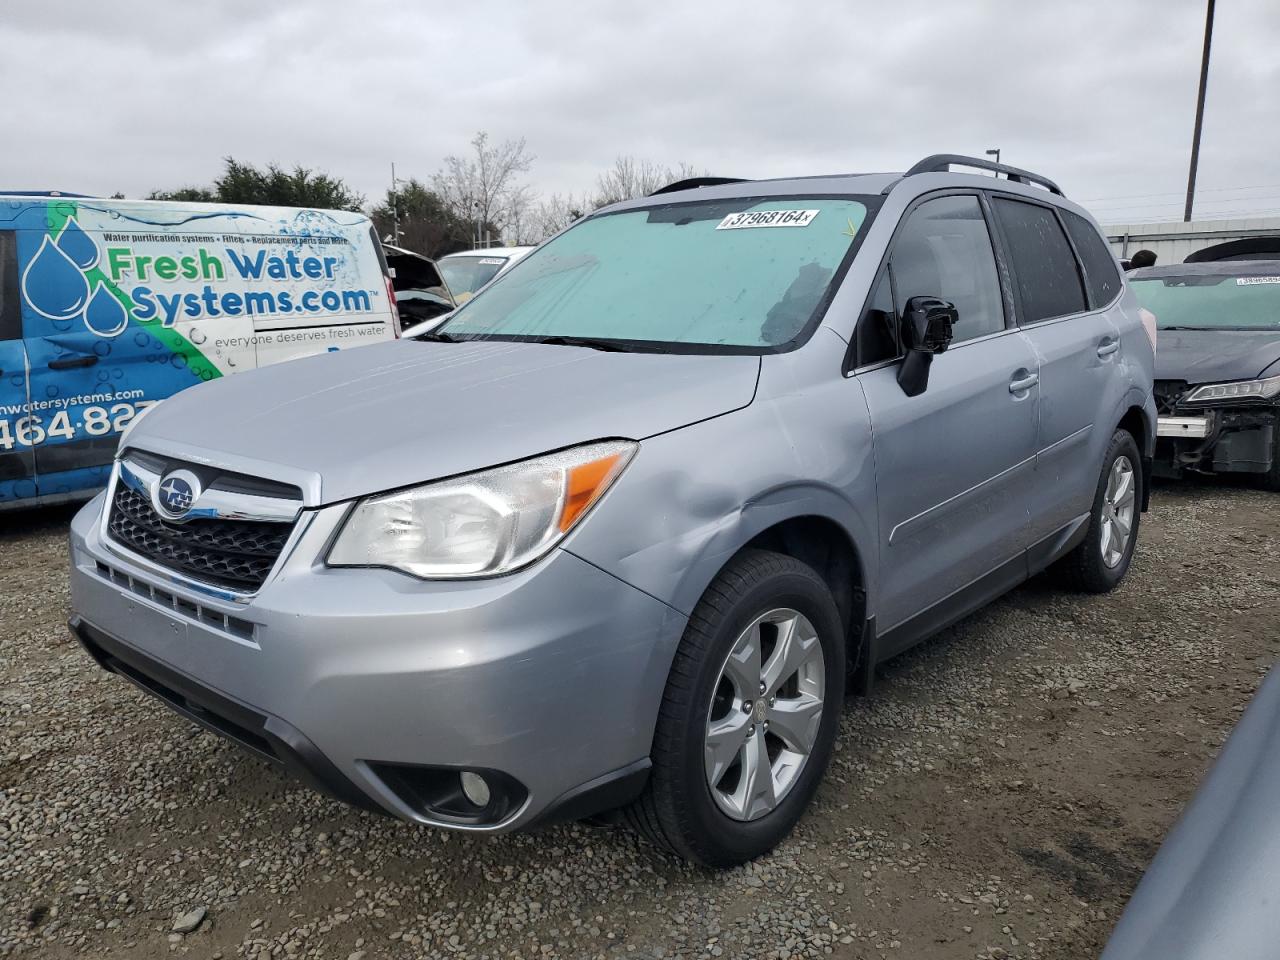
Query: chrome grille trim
(143, 477)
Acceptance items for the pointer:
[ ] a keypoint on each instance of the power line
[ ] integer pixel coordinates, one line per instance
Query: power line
(1216, 215)
(1151, 196)
(1205, 206)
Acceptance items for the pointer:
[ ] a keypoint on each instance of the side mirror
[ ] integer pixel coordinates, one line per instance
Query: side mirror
(928, 325)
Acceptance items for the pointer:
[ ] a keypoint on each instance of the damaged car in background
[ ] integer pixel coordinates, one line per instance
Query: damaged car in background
(1217, 366)
(422, 295)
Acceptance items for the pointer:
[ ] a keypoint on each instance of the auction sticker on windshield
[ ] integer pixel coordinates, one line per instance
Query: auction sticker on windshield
(767, 218)
(1247, 281)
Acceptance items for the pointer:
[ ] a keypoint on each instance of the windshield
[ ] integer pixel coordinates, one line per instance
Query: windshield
(1212, 302)
(466, 275)
(741, 274)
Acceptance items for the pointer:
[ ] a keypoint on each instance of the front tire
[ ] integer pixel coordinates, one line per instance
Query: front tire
(1101, 560)
(749, 715)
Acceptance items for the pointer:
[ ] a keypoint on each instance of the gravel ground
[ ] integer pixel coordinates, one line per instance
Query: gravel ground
(998, 796)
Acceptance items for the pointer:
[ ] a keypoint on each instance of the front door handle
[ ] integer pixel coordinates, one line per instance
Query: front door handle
(1023, 384)
(72, 363)
(1108, 346)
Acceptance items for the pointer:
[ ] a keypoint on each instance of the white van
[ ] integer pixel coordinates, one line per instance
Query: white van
(107, 306)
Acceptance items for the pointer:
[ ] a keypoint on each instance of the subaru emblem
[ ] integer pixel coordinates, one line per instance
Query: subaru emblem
(176, 493)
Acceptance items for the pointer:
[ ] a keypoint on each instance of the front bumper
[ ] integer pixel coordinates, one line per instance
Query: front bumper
(551, 676)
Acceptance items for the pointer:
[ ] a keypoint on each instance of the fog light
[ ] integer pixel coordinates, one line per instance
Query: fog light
(474, 788)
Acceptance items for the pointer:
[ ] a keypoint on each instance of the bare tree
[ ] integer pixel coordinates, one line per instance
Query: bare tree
(556, 212)
(629, 178)
(483, 188)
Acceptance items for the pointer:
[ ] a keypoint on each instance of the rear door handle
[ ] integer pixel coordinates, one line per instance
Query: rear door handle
(72, 363)
(1108, 346)
(1023, 384)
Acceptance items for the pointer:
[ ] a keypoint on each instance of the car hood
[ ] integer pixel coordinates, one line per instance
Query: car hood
(1208, 356)
(355, 422)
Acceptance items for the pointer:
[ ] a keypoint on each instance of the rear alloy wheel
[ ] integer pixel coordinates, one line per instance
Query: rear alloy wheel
(749, 715)
(1119, 505)
(1100, 561)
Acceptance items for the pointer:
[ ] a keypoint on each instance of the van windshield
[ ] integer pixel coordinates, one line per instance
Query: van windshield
(740, 275)
(1211, 302)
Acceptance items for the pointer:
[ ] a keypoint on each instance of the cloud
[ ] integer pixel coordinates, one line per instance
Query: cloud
(1098, 95)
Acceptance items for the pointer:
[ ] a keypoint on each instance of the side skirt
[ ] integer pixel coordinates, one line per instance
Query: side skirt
(969, 598)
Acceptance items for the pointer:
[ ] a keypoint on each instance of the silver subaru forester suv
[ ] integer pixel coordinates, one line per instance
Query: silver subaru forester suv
(621, 534)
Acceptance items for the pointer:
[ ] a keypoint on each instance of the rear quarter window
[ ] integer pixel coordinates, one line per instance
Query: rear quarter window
(1045, 271)
(1102, 275)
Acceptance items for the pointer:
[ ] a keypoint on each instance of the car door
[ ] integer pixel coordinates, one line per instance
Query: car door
(17, 459)
(1077, 347)
(953, 464)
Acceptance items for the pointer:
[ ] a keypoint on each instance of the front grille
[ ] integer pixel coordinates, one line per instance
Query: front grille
(237, 554)
(1168, 393)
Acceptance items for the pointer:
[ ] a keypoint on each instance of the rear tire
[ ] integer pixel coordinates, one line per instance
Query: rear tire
(1099, 562)
(724, 787)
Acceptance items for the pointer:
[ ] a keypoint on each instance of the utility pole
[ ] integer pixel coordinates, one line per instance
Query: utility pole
(1195, 137)
(395, 206)
(994, 153)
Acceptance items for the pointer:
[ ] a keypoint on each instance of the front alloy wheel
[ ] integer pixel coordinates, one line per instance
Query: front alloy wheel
(749, 715)
(765, 714)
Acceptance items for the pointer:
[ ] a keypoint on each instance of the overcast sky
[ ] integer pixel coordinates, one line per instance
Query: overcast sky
(99, 97)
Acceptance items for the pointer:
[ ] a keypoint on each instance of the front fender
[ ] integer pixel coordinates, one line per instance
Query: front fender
(694, 497)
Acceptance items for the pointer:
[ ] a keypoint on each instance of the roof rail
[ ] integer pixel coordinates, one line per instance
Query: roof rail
(690, 182)
(943, 162)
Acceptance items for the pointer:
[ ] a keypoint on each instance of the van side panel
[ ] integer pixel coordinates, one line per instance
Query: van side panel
(17, 461)
(124, 304)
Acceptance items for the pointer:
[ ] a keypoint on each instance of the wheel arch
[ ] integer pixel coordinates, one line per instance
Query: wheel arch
(1137, 421)
(814, 525)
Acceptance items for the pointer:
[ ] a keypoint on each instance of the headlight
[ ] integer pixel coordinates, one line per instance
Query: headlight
(1237, 390)
(481, 524)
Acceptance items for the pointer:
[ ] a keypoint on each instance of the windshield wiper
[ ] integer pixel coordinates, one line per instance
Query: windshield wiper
(1185, 327)
(592, 343)
(437, 336)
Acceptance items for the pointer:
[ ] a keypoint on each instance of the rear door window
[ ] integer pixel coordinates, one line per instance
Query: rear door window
(1045, 271)
(1102, 275)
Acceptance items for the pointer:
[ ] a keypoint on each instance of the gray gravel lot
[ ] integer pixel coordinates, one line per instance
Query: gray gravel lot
(998, 796)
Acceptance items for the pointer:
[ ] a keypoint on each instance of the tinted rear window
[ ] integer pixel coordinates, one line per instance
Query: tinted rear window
(1044, 268)
(1102, 275)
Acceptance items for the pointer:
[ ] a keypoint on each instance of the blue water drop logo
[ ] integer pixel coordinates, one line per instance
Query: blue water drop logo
(78, 245)
(52, 283)
(105, 315)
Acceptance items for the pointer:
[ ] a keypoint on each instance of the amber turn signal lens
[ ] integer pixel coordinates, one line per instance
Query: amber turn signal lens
(585, 484)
